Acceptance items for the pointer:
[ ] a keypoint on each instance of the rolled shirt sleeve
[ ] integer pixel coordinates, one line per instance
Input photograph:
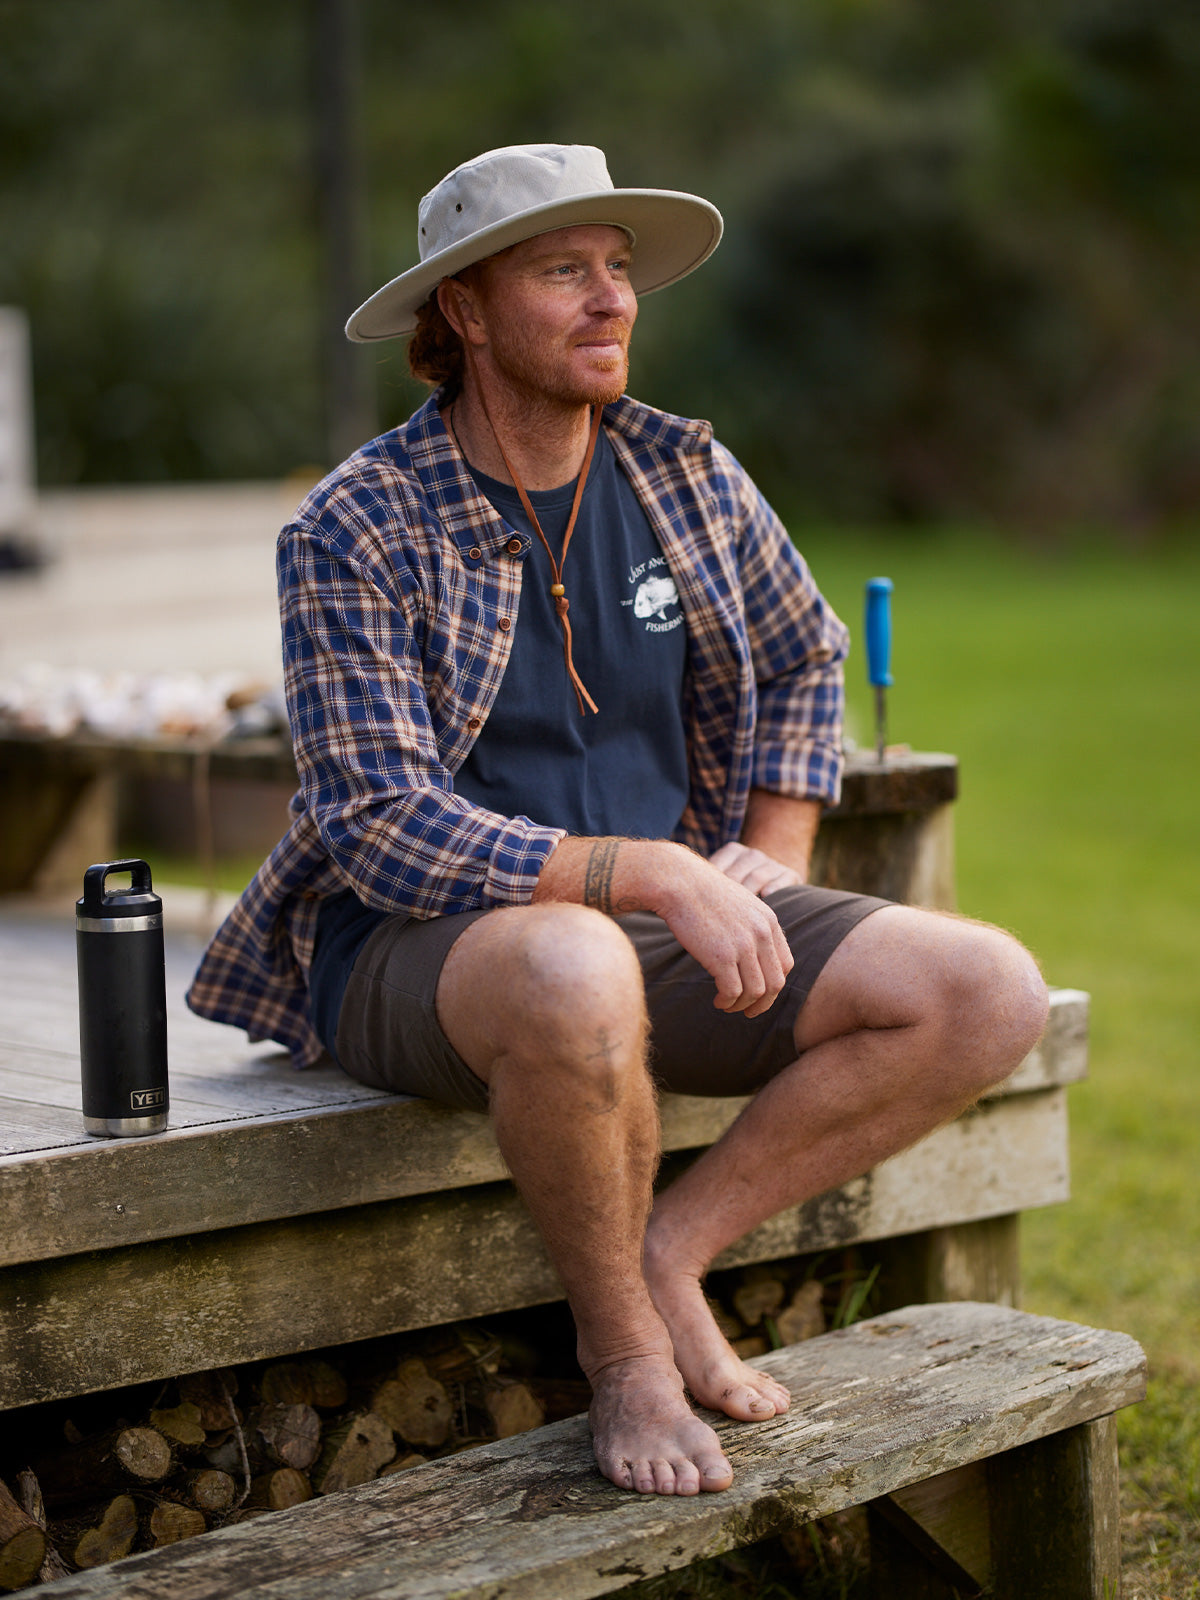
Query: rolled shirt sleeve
(798, 646)
(375, 699)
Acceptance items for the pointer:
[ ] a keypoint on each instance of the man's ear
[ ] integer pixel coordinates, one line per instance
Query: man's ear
(459, 305)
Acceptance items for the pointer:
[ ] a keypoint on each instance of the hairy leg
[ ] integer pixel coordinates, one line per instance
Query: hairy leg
(915, 1015)
(546, 1005)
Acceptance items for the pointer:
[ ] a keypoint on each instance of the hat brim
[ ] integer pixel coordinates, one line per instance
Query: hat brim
(674, 234)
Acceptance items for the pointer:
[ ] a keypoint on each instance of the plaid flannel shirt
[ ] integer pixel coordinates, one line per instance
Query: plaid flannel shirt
(399, 585)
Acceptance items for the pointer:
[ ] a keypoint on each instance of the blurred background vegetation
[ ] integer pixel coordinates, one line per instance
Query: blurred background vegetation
(958, 279)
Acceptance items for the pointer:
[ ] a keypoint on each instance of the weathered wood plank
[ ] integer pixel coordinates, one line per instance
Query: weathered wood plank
(1056, 1517)
(214, 1095)
(242, 1293)
(946, 1520)
(26, 1128)
(250, 1169)
(964, 1261)
(875, 1407)
(1010, 1155)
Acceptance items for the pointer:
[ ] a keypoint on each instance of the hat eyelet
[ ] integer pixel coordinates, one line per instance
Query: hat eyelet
(458, 207)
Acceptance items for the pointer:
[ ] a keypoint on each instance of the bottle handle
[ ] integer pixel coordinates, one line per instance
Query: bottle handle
(94, 877)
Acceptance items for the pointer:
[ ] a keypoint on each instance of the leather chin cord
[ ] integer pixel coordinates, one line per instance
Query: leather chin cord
(561, 604)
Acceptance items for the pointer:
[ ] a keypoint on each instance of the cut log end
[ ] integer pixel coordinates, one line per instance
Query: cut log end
(114, 1536)
(170, 1523)
(21, 1555)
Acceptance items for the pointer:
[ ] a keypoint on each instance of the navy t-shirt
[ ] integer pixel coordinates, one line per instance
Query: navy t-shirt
(624, 769)
(620, 771)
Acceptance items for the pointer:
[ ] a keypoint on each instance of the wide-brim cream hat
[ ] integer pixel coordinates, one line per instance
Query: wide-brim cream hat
(523, 190)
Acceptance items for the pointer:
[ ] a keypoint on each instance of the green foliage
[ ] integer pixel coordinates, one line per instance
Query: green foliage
(957, 279)
(154, 223)
(1066, 684)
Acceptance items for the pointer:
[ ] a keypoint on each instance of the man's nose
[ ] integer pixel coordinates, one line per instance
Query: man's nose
(609, 296)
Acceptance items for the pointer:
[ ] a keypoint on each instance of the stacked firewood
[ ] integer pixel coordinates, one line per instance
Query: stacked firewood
(222, 1446)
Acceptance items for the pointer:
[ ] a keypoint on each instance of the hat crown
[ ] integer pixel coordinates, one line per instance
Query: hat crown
(504, 183)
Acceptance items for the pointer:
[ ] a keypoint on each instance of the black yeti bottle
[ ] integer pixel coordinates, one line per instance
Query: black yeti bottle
(122, 1003)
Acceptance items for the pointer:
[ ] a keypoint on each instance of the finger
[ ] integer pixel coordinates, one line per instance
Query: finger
(727, 855)
(769, 877)
(731, 988)
(737, 863)
(774, 962)
(784, 950)
(759, 978)
(753, 869)
(769, 986)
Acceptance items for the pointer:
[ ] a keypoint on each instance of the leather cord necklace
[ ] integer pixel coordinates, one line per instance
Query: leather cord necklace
(561, 604)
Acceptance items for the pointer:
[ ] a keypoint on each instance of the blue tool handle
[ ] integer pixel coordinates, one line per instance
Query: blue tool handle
(879, 632)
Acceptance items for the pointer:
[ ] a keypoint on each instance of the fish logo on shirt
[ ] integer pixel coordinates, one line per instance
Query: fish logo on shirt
(654, 596)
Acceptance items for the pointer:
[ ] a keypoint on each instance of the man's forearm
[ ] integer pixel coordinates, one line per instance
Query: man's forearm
(782, 827)
(616, 875)
(732, 933)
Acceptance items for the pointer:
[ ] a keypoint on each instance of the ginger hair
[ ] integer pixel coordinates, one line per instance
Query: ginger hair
(435, 351)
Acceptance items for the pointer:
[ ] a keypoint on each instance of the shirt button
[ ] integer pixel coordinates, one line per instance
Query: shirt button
(514, 547)
(504, 624)
(475, 553)
(472, 724)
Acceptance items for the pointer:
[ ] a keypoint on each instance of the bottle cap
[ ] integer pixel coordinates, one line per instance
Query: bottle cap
(139, 900)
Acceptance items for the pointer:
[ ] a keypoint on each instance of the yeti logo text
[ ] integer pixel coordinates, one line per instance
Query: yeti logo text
(144, 1099)
(654, 596)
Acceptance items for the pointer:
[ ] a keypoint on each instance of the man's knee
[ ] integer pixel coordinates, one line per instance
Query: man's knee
(568, 958)
(991, 999)
(554, 983)
(974, 992)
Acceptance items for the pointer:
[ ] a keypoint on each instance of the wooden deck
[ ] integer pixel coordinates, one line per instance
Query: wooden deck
(286, 1210)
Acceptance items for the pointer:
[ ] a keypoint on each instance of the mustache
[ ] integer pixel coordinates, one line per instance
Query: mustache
(616, 329)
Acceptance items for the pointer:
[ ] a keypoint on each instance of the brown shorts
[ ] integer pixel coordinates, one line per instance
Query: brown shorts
(388, 1033)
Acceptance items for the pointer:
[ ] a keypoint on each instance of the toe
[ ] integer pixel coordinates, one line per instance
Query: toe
(747, 1404)
(664, 1477)
(715, 1473)
(616, 1470)
(687, 1476)
(773, 1393)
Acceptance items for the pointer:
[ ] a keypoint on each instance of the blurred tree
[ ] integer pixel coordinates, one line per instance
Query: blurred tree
(958, 277)
(155, 221)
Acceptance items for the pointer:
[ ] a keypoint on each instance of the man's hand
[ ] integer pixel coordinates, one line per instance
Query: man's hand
(731, 932)
(754, 869)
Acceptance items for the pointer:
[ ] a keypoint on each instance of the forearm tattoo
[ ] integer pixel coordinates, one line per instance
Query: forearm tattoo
(598, 879)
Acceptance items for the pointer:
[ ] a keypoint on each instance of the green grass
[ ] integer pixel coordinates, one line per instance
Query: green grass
(1069, 688)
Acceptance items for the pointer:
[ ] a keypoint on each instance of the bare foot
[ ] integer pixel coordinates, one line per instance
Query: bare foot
(646, 1436)
(714, 1373)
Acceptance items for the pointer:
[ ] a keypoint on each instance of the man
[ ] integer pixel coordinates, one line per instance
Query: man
(566, 707)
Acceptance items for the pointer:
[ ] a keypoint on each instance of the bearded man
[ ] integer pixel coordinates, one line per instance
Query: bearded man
(566, 707)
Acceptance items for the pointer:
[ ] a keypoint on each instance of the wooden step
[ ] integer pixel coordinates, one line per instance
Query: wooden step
(922, 1394)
